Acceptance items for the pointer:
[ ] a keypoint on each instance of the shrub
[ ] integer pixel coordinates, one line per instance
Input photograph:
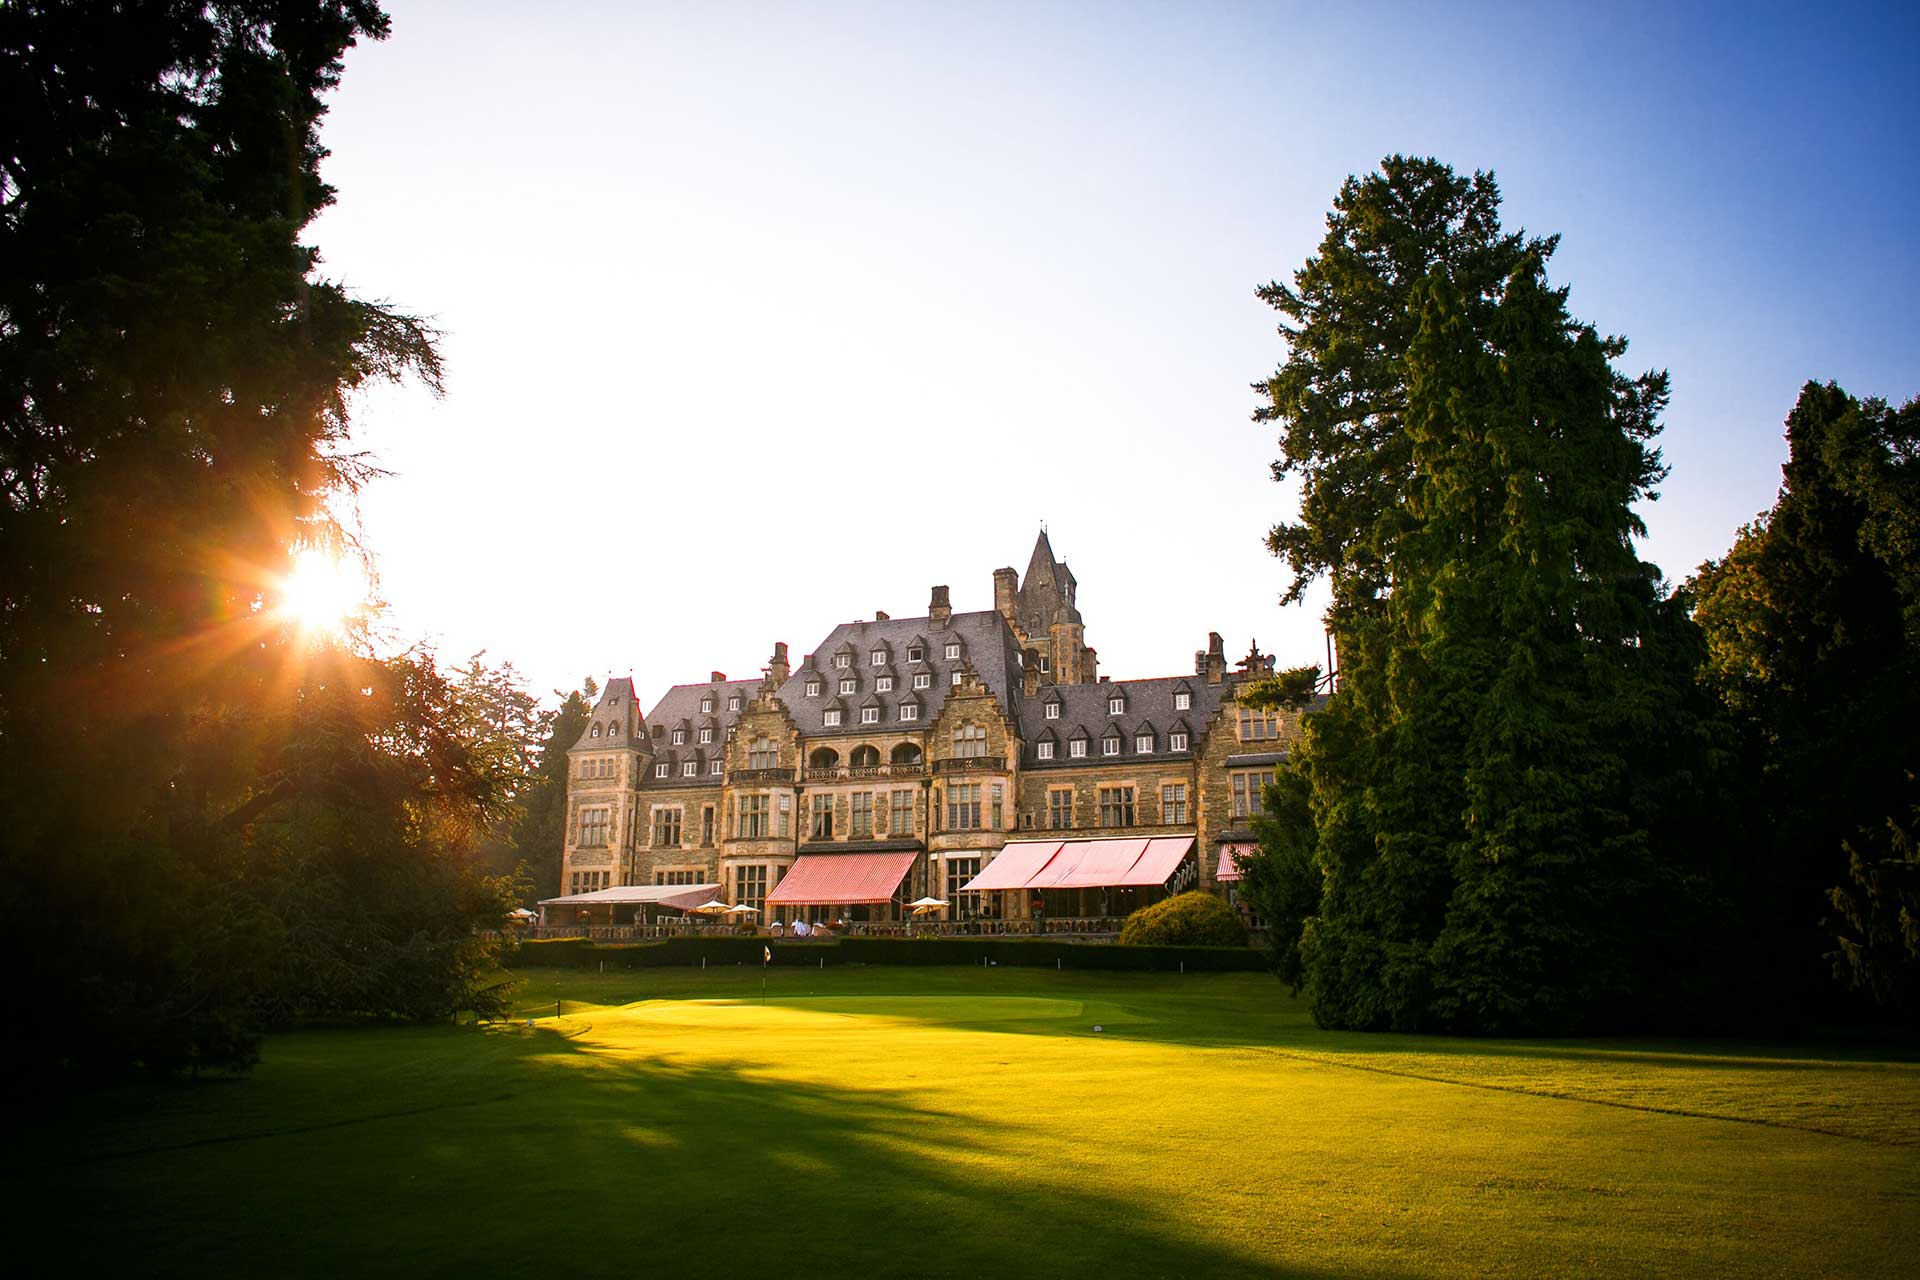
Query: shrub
(1186, 920)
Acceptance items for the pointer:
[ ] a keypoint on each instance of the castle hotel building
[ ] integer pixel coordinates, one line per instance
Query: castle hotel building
(980, 758)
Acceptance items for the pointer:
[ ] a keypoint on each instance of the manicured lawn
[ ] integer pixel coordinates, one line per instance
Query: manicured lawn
(972, 1122)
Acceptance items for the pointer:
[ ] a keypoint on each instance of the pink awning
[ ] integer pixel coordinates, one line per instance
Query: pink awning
(1229, 868)
(1083, 864)
(835, 879)
(1014, 865)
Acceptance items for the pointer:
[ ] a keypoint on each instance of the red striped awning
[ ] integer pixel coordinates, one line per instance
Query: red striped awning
(837, 879)
(1083, 864)
(1230, 854)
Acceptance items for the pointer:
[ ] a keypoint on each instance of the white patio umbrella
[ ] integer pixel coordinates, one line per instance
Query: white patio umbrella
(709, 906)
(923, 905)
(743, 908)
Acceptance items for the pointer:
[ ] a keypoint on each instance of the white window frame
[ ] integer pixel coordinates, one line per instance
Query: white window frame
(1143, 744)
(679, 737)
(957, 673)
(923, 680)
(843, 660)
(916, 654)
(1110, 745)
(706, 706)
(1116, 706)
(661, 770)
(1077, 749)
(869, 715)
(1176, 742)
(690, 769)
(714, 768)
(833, 719)
(706, 737)
(883, 684)
(813, 688)
(909, 711)
(733, 702)
(878, 658)
(1053, 711)
(849, 685)
(1182, 701)
(1045, 751)
(953, 651)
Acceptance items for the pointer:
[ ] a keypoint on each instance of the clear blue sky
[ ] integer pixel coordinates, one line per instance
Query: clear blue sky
(760, 318)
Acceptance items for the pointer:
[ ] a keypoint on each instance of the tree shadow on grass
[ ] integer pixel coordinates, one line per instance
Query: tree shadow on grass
(587, 1159)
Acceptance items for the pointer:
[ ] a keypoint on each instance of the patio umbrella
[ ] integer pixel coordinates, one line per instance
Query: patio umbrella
(923, 905)
(743, 908)
(709, 906)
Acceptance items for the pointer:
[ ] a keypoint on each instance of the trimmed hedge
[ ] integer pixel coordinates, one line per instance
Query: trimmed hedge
(1018, 952)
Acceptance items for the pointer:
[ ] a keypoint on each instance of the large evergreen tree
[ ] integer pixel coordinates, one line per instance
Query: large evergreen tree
(174, 385)
(1812, 622)
(1485, 797)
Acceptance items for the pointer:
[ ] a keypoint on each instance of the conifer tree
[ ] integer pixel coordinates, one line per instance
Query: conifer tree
(1482, 803)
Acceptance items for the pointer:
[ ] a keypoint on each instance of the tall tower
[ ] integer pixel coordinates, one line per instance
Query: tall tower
(1042, 613)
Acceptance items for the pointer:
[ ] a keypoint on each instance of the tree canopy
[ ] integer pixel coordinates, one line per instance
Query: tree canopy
(1485, 795)
(209, 818)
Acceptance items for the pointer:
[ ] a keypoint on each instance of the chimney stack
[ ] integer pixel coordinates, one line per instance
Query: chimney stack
(1216, 658)
(778, 669)
(1006, 582)
(881, 615)
(940, 608)
(1030, 672)
(719, 677)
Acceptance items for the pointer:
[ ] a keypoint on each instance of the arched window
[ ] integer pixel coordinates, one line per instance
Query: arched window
(596, 728)
(823, 758)
(906, 753)
(969, 740)
(865, 757)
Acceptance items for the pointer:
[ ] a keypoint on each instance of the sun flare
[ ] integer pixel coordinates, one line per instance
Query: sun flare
(322, 591)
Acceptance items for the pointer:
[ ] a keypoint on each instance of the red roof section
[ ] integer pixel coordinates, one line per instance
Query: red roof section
(835, 879)
(1229, 869)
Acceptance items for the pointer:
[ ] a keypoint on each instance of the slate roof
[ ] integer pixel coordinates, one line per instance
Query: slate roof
(986, 645)
(679, 708)
(1149, 705)
(616, 715)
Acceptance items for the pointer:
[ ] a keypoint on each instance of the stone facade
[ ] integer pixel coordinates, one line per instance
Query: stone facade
(947, 735)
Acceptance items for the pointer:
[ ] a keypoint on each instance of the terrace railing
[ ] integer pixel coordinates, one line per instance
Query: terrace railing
(970, 764)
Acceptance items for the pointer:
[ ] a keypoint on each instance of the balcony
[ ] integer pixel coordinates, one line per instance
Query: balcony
(971, 764)
(745, 776)
(841, 772)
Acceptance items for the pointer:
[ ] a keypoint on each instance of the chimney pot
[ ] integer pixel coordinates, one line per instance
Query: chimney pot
(881, 615)
(719, 677)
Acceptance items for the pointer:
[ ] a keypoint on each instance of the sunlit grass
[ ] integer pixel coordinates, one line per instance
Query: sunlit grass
(970, 1122)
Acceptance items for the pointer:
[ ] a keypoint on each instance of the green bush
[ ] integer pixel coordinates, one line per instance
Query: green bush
(1186, 920)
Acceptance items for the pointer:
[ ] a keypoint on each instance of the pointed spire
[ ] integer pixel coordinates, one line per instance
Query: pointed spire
(1040, 568)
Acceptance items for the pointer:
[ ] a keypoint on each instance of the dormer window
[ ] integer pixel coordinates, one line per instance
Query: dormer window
(922, 680)
(953, 651)
(842, 659)
(714, 768)
(849, 684)
(909, 711)
(1176, 742)
(1045, 750)
(877, 658)
(613, 730)
(916, 654)
(869, 715)
(1053, 711)
(833, 719)
(690, 770)
(706, 736)
(1143, 743)
(596, 729)
(733, 703)
(956, 677)
(679, 737)
(1110, 745)
(1182, 701)
(1077, 749)
(813, 688)
(660, 770)
(1115, 705)
(883, 685)
(706, 706)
